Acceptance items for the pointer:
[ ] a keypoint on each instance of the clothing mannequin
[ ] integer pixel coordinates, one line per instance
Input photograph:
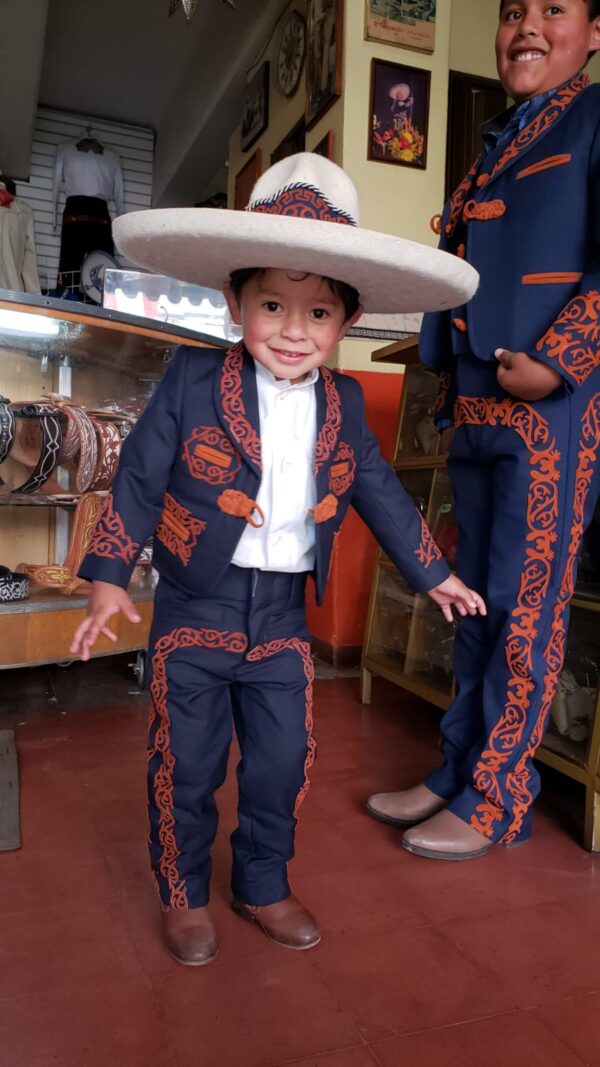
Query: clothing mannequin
(91, 176)
(18, 263)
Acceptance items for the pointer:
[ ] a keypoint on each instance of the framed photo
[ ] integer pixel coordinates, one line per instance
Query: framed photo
(256, 107)
(324, 56)
(245, 180)
(399, 114)
(407, 23)
(325, 146)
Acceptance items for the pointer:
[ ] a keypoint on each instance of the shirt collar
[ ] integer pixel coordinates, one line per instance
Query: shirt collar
(516, 117)
(281, 384)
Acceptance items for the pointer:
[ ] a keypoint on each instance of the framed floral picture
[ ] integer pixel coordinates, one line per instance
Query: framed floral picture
(399, 114)
(406, 23)
(324, 56)
(256, 107)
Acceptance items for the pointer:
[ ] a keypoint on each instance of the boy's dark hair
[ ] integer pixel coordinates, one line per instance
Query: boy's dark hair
(593, 7)
(346, 293)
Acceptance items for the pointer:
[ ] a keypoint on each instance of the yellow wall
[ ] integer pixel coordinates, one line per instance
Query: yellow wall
(472, 34)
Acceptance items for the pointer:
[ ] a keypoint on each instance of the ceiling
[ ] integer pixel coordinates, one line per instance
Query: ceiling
(129, 61)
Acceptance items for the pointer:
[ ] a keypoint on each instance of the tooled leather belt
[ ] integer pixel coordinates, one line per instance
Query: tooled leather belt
(7, 429)
(51, 442)
(80, 438)
(13, 585)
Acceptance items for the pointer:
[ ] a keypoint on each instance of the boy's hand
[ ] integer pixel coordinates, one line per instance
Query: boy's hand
(524, 377)
(105, 601)
(454, 593)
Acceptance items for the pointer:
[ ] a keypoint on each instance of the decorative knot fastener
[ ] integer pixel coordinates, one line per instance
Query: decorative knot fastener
(436, 223)
(325, 509)
(234, 502)
(492, 209)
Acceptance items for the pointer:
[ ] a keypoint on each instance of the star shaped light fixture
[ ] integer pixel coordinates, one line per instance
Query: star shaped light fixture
(189, 6)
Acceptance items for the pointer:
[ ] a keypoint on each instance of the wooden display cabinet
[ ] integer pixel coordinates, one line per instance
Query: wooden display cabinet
(97, 358)
(408, 642)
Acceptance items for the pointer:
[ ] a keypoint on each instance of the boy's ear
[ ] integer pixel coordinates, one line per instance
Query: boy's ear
(595, 35)
(349, 323)
(232, 304)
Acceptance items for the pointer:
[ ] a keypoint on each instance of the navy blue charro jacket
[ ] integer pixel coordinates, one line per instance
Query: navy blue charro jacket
(190, 470)
(527, 217)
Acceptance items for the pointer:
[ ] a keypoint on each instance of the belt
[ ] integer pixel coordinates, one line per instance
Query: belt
(13, 585)
(51, 443)
(81, 440)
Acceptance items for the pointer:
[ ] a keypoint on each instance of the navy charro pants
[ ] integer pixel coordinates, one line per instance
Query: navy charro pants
(525, 479)
(241, 656)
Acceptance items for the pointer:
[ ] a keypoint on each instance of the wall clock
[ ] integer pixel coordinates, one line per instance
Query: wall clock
(292, 49)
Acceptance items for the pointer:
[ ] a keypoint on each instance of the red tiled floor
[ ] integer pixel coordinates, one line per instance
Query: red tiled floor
(420, 963)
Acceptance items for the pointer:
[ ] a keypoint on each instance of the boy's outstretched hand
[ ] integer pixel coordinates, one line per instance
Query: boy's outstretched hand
(454, 593)
(525, 377)
(105, 601)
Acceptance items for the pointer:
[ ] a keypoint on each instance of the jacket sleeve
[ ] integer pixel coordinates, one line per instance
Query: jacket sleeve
(133, 507)
(571, 346)
(389, 512)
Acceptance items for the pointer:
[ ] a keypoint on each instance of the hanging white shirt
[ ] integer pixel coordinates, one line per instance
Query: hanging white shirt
(18, 263)
(88, 174)
(288, 432)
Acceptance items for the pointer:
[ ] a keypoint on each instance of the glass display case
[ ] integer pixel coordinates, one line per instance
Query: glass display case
(408, 641)
(73, 380)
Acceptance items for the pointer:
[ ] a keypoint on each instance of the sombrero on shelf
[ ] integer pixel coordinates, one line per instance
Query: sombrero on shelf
(303, 215)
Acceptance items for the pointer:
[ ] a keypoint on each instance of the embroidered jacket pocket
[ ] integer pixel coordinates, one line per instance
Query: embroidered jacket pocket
(545, 164)
(178, 530)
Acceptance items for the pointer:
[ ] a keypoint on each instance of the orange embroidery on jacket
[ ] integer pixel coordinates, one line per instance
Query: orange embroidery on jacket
(458, 198)
(303, 649)
(342, 470)
(186, 637)
(573, 340)
(482, 180)
(555, 277)
(326, 509)
(210, 456)
(461, 325)
(327, 439)
(178, 529)
(427, 552)
(545, 164)
(489, 209)
(234, 410)
(589, 445)
(542, 521)
(234, 502)
(110, 540)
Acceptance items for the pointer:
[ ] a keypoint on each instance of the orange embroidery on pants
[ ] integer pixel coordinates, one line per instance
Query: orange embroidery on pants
(556, 277)
(178, 529)
(234, 502)
(303, 649)
(542, 521)
(573, 340)
(554, 654)
(490, 209)
(110, 539)
(545, 164)
(185, 637)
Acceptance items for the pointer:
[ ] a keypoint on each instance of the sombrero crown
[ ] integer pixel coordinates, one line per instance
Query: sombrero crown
(303, 215)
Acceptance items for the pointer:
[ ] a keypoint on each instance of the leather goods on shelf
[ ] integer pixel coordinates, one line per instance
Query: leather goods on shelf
(7, 430)
(82, 440)
(14, 585)
(64, 578)
(24, 452)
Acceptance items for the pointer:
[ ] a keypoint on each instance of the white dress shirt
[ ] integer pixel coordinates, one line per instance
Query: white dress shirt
(88, 174)
(288, 431)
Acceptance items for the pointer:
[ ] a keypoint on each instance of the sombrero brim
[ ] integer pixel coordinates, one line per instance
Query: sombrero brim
(204, 245)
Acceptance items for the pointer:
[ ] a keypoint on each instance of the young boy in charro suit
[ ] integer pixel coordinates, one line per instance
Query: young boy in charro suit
(243, 466)
(520, 377)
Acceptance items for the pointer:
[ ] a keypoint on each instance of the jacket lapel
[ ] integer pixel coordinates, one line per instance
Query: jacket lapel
(329, 421)
(236, 402)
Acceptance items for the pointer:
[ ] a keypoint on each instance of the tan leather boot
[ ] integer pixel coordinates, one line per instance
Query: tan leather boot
(189, 936)
(287, 922)
(407, 807)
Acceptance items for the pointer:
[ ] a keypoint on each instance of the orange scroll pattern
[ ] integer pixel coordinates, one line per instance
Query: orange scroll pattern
(342, 470)
(427, 552)
(445, 383)
(261, 652)
(573, 340)
(186, 637)
(327, 438)
(589, 445)
(178, 530)
(542, 524)
(234, 409)
(458, 198)
(210, 456)
(110, 540)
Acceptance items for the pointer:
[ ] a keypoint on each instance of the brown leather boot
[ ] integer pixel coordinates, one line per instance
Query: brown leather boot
(407, 807)
(446, 837)
(287, 922)
(189, 936)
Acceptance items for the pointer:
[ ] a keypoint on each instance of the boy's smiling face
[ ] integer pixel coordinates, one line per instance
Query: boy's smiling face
(540, 45)
(291, 322)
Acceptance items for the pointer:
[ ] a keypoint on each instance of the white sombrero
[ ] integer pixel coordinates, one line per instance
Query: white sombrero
(303, 215)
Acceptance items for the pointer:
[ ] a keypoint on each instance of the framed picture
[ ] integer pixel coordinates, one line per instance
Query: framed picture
(294, 142)
(407, 23)
(399, 114)
(325, 146)
(245, 180)
(256, 107)
(324, 56)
